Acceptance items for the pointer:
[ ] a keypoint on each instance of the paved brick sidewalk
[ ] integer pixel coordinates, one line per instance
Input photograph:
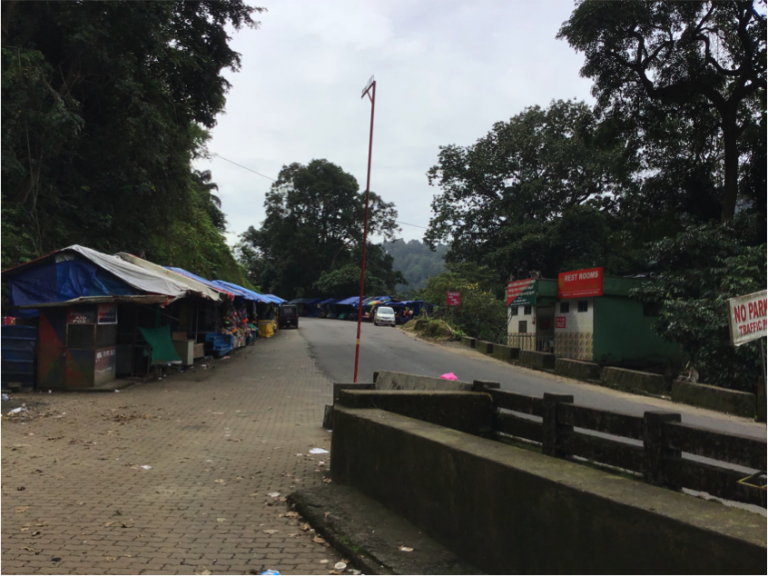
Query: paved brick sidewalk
(76, 499)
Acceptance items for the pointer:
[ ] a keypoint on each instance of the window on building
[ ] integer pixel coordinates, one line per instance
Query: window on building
(513, 311)
(522, 327)
(583, 305)
(527, 311)
(565, 307)
(653, 310)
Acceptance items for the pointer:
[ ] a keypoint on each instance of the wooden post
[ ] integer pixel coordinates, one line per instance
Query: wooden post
(553, 431)
(655, 446)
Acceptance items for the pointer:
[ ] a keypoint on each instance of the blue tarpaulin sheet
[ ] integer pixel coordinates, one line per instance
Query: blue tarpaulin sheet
(243, 292)
(199, 279)
(62, 281)
(352, 301)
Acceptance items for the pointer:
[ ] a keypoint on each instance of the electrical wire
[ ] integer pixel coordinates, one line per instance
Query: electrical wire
(273, 180)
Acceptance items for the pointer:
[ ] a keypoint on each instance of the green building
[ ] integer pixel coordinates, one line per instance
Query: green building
(596, 321)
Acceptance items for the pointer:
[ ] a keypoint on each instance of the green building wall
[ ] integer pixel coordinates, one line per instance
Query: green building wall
(624, 337)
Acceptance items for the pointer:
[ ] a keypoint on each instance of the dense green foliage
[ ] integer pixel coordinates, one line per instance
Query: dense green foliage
(697, 272)
(416, 261)
(104, 106)
(696, 60)
(536, 193)
(481, 314)
(311, 238)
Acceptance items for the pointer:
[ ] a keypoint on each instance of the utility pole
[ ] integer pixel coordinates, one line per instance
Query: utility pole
(370, 90)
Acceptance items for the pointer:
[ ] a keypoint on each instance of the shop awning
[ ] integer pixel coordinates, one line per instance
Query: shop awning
(145, 299)
(243, 292)
(277, 299)
(228, 293)
(193, 285)
(352, 301)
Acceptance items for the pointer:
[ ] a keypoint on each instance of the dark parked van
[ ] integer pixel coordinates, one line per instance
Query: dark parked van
(288, 315)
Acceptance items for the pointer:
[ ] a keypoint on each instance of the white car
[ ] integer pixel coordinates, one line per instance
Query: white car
(384, 316)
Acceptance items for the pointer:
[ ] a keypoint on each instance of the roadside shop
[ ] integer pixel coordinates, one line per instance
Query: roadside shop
(530, 314)
(597, 321)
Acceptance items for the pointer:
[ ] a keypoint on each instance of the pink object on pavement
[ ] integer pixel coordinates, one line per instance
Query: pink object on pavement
(449, 376)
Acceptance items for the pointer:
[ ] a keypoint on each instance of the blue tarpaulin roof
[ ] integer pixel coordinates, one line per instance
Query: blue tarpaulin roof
(243, 292)
(352, 301)
(325, 302)
(201, 279)
(276, 299)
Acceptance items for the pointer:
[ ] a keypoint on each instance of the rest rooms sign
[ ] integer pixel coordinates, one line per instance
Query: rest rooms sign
(580, 283)
(747, 318)
(453, 298)
(521, 292)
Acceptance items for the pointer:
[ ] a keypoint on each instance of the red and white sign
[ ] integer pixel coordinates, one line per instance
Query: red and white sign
(747, 318)
(559, 321)
(580, 283)
(524, 291)
(453, 299)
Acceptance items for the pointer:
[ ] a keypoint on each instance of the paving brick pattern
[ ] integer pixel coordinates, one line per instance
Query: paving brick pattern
(76, 499)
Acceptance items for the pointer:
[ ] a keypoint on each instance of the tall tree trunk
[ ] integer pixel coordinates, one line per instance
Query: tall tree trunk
(730, 143)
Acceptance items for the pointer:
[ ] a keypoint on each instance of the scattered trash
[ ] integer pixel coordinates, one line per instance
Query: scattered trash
(271, 531)
(318, 451)
(50, 392)
(6, 397)
(405, 549)
(340, 566)
(20, 509)
(320, 540)
(271, 572)
(273, 494)
(354, 572)
(18, 410)
(225, 358)
(449, 376)
(321, 463)
(147, 467)
(324, 561)
(221, 519)
(220, 481)
(305, 526)
(117, 391)
(55, 559)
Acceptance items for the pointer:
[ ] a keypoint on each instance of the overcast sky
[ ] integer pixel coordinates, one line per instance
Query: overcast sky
(446, 70)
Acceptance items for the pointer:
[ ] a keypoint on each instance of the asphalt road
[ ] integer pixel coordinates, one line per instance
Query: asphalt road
(332, 344)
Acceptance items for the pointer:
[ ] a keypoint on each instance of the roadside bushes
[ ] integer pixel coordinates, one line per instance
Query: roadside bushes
(481, 313)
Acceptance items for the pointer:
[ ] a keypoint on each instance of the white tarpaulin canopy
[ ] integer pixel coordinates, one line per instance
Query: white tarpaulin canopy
(191, 284)
(129, 273)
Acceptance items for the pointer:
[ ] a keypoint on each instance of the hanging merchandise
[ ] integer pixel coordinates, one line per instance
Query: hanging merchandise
(235, 322)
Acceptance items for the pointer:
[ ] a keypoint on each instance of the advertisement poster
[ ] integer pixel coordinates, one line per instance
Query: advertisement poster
(453, 299)
(580, 283)
(105, 368)
(560, 322)
(81, 316)
(747, 318)
(521, 292)
(107, 314)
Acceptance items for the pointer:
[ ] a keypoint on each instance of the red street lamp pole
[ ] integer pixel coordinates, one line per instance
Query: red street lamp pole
(370, 90)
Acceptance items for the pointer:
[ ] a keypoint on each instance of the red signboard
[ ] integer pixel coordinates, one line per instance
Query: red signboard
(580, 283)
(107, 314)
(453, 299)
(559, 321)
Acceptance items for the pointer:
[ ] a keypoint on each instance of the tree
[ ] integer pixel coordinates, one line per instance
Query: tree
(678, 56)
(481, 314)
(104, 106)
(533, 192)
(416, 262)
(314, 225)
(697, 271)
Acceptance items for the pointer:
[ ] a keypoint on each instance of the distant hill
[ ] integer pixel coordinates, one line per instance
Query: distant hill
(415, 261)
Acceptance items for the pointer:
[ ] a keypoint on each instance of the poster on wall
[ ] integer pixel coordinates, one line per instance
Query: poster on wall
(580, 283)
(747, 318)
(107, 314)
(521, 292)
(560, 322)
(105, 365)
(81, 316)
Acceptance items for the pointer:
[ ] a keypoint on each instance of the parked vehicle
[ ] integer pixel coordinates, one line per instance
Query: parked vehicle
(288, 315)
(384, 316)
